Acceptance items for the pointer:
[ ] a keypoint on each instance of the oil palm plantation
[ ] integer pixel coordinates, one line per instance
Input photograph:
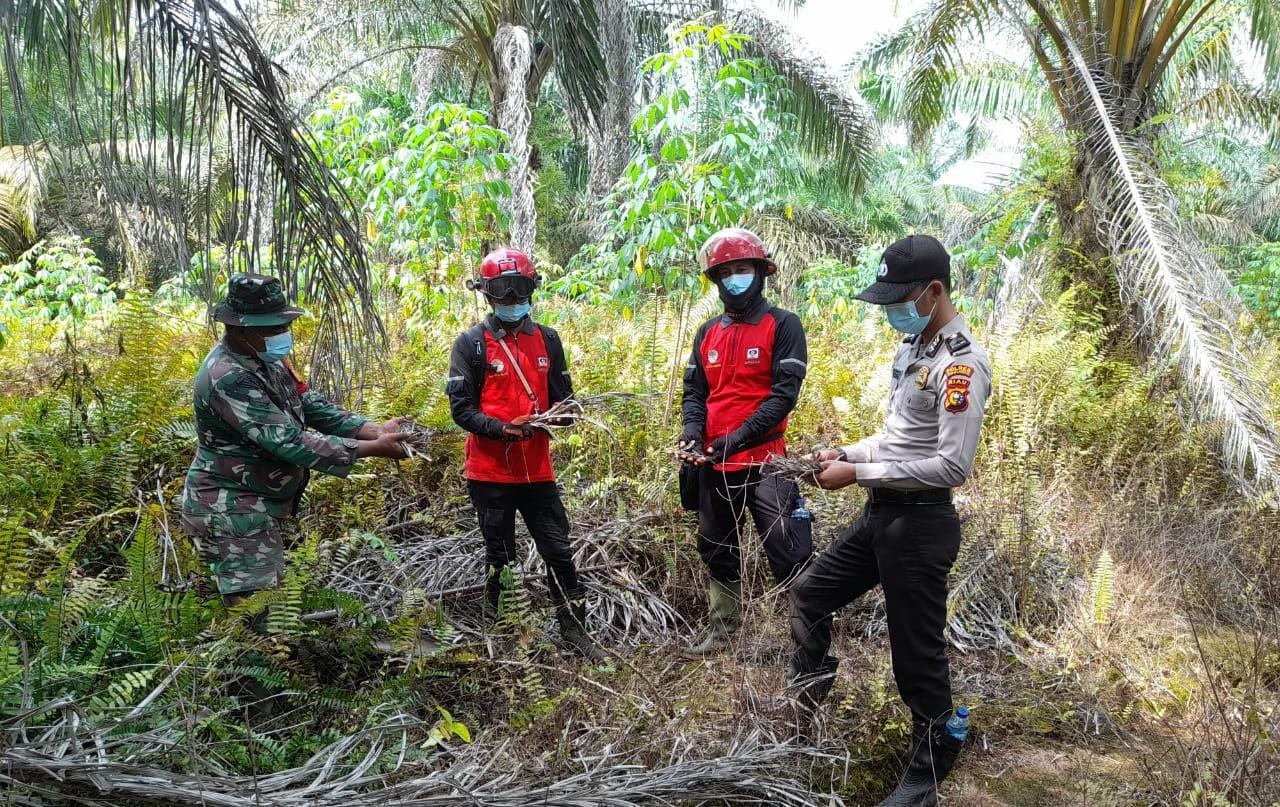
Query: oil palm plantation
(1117, 74)
(180, 121)
(592, 50)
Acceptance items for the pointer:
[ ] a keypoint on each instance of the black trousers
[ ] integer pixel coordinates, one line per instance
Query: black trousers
(909, 550)
(543, 512)
(725, 498)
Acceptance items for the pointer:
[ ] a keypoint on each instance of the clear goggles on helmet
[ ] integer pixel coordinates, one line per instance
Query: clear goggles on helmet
(509, 287)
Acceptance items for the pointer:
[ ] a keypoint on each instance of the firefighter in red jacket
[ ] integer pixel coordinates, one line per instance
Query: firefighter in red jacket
(502, 372)
(742, 382)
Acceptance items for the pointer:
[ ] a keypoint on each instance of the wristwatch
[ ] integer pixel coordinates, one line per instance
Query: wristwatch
(843, 456)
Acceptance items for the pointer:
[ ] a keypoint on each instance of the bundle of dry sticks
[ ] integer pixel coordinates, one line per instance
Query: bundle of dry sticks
(572, 411)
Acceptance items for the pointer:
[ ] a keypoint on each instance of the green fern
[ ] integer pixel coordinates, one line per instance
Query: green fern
(12, 674)
(15, 558)
(127, 688)
(1101, 589)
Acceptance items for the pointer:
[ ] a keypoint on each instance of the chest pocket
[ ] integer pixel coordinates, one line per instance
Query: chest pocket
(921, 400)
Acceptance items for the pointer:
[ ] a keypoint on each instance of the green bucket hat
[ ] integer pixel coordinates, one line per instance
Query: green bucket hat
(255, 301)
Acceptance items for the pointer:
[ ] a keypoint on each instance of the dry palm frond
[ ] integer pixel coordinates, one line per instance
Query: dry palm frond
(420, 439)
(793, 468)
(1177, 289)
(618, 567)
(67, 758)
(573, 411)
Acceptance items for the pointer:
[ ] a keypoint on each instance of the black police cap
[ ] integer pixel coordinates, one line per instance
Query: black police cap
(906, 264)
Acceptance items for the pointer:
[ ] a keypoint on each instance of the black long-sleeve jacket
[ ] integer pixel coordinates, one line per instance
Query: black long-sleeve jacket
(469, 360)
(726, 375)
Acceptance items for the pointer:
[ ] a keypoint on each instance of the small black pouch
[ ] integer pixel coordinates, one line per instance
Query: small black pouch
(689, 485)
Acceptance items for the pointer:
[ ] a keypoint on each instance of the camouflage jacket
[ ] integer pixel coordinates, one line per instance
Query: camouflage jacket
(257, 437)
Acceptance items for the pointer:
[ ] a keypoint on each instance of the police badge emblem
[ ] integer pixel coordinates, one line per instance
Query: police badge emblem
(922, 377)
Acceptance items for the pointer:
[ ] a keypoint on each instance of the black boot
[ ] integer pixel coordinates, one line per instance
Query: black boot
(489, 607)
(573, 629)
(806, 691)
(930, 757)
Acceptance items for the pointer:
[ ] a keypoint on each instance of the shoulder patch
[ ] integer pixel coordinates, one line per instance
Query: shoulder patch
(955, 394)
(958, 344)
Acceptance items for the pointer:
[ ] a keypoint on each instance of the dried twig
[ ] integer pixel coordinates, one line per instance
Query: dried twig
(572, 411)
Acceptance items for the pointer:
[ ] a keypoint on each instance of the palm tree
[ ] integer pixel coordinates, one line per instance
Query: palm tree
(1113, 68)
(512, 46)
(156, 98)
(833, 122)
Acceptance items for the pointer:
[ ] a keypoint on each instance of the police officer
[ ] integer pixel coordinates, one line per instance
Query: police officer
(260, 431)
(503, 372)
(908, 535)
(742, 382)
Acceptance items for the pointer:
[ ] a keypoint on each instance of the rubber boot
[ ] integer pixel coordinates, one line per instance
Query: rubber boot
(930, 757)
(725, 612)
(489, 607)
(573, 631)
(806, 691)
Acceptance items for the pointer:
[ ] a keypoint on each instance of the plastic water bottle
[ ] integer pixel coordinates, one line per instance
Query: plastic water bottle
(958, 725)
(801, 513)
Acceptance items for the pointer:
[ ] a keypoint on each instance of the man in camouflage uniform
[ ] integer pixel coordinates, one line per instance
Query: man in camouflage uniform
(260, 431)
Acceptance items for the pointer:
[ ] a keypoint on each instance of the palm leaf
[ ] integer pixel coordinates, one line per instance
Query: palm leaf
(569, 28)
(186, 76)
(799, 236)
(926, 53)
(1263, 207)
(21, 191)
(832, 120)
(1264, 30)
(1178, 290)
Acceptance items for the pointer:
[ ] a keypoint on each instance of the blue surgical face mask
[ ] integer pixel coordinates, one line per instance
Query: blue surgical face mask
(277, 347)
(738, 284)
(904, 317)
(513, 312)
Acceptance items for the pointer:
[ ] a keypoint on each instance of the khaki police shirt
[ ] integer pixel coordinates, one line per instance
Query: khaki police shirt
(936, 402)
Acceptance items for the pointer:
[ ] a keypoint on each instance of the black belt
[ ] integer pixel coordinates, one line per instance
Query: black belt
(890, 496)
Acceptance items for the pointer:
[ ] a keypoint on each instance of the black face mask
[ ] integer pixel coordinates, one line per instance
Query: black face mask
(739, 303)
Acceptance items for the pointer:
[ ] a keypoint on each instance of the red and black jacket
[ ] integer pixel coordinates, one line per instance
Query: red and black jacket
(485, 394)
(743, 380)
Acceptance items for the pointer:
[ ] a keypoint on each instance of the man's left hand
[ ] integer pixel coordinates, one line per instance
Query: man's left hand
(721, 449)
(395, 424)
(371, 430)
(835, 475)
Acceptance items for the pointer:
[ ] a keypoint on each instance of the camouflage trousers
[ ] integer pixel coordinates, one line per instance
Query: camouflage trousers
(244, 551)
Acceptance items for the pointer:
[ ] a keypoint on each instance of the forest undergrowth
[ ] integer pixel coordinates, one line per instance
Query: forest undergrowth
(1113, 621)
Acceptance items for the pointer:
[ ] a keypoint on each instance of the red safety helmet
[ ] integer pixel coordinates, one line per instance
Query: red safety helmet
(506, 273)
(734, 244)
